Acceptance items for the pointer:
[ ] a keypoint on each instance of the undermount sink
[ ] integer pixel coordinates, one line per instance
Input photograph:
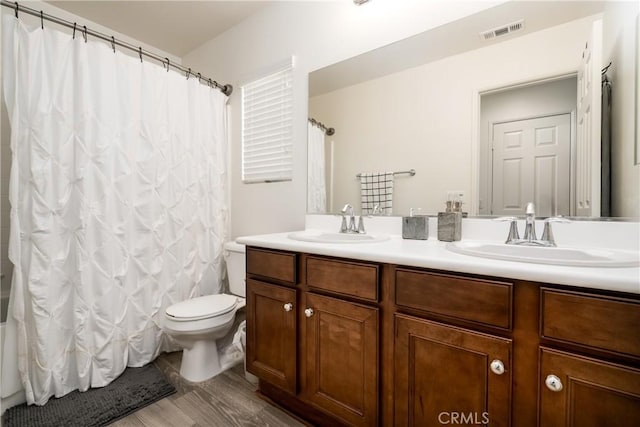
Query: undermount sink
(325, 237)
(576, 257)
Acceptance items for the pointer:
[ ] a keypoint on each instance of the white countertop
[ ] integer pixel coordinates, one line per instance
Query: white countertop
(433, 254)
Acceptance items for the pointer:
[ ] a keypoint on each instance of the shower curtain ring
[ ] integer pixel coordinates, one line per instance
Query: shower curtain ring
(167, 64)
(210, 83)
(41, 20)
(113, 44)
(74, 30)
(17, 7)
(199, 78)
(84, 33)
(188, 72)
(140, 53)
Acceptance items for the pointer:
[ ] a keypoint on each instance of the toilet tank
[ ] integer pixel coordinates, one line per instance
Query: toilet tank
(236, 269)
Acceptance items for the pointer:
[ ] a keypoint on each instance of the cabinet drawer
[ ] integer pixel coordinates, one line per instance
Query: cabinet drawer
(474, 300)
(359, 280)
(599, 322)
(279, 266)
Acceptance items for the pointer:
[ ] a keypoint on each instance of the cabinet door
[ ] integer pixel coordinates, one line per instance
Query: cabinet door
(449, 375)
(341, 357)
(582, 392)
(271, 333)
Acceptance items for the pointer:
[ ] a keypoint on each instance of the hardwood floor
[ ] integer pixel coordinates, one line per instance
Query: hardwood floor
(225, 400)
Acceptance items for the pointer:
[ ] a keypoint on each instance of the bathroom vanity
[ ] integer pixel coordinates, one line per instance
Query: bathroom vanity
(356, 341)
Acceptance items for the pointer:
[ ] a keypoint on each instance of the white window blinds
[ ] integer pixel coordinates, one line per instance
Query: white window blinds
(267, 139)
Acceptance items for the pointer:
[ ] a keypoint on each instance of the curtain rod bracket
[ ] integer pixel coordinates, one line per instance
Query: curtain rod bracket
(327, 130)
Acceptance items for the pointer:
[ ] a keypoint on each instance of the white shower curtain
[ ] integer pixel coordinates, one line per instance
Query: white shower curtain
(118, 204)
(316, 186)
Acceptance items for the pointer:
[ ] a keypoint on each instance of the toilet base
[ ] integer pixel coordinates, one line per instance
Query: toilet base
(200, 362)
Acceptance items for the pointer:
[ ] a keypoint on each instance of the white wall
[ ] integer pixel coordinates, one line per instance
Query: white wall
(619, 47)
(548, 98)
(423, 118)
(317, 34)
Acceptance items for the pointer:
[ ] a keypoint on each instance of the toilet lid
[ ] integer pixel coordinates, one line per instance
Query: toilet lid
(202, 307)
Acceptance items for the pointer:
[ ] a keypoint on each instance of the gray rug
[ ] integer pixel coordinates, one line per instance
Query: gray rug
(134, 389)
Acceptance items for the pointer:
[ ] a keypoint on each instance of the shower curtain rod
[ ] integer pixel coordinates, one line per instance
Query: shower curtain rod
(327, 130)
(227, 89)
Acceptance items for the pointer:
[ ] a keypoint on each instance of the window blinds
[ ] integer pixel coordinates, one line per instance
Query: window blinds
(267, 139)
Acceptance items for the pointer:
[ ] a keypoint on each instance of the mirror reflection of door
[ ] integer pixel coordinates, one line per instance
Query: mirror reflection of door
(527, 148)
(531, 162)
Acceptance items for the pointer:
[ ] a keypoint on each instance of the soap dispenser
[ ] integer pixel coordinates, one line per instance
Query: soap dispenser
(415, 226)
(450, 221)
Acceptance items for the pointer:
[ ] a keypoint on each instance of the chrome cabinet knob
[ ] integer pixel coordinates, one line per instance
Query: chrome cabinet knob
(308, 312)
(553, 383)
(288, 307)
(497, 367)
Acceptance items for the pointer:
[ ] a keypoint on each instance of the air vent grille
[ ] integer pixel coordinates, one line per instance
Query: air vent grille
(502, 30)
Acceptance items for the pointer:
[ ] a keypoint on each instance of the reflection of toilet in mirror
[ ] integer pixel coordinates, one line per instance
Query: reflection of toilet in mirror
(196, 324)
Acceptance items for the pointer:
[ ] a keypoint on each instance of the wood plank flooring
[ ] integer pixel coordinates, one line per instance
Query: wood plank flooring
(225, 400)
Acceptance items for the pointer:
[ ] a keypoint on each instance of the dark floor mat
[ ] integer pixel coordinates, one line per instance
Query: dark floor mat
(134, 389)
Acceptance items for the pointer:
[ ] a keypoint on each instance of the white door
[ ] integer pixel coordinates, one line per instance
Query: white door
(532, 163)
(588, 135)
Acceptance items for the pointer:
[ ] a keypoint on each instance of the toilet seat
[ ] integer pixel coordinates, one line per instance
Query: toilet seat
(202, 307)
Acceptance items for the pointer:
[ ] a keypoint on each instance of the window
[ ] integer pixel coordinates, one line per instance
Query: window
(267, 131)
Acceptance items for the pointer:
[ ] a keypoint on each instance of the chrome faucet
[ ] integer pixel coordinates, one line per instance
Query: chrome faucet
(530, 238)
(347, 211)
(344, 228)
(530, 223)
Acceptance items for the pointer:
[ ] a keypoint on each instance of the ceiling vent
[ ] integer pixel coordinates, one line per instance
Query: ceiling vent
(502, 30)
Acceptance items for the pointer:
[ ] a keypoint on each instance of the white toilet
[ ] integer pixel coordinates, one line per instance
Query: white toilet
(197, 323)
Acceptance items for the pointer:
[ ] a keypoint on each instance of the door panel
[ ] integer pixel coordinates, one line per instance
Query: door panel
(271, 334)
(532, 163)
(442, 374)
(342, 359)
(593, 394)
(588, 126)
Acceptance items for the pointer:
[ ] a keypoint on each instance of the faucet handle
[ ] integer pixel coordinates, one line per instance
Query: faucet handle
(556, 219)
(505, 218)
(547, 234)
(513, 229)
(343, 226)
(361, 229)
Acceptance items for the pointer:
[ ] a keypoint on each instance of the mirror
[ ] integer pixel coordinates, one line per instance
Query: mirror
(427, 103)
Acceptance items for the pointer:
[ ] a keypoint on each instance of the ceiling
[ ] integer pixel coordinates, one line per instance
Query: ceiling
(450, 39)
(176, 27)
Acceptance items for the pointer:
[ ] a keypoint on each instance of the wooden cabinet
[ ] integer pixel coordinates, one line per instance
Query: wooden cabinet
(584, 392)
(444, 373)
(471, 300)
(347, 342)
(272, 334)
(601, 323)
(580, 387)
(305, 338)
(341, 354)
